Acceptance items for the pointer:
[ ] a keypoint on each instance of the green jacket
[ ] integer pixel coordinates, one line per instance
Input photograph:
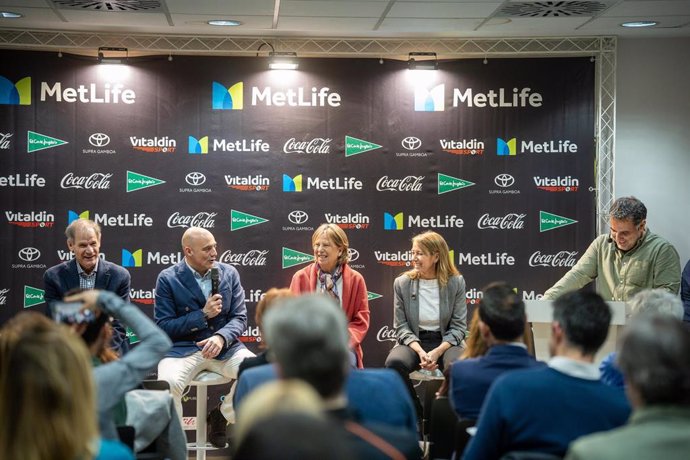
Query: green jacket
(653, 433)
(652, 263)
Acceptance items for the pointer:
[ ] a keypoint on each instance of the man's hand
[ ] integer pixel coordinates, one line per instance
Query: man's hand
(213, 306)
(211, 347)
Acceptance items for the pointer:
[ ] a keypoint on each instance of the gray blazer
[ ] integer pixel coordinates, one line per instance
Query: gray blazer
(452, 310)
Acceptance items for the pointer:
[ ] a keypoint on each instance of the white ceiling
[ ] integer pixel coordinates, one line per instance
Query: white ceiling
(352, 18)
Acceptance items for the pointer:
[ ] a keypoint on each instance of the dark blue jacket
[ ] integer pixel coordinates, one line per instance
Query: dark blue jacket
(179, 304)
(470, 379)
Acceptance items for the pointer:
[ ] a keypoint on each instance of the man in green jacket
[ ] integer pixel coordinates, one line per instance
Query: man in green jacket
(629, 259)
(655, 360)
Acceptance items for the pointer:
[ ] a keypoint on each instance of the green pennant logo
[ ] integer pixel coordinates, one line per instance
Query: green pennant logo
(136, 181)
(37, 141)
(354, 146)
(33, 296)
(449, 183)
(240, 220)
(292, 258)
(132, 337)
(548, 221)
(373, 295)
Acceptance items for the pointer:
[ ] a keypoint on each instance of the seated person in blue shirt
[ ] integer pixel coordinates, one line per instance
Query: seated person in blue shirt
(501, 325)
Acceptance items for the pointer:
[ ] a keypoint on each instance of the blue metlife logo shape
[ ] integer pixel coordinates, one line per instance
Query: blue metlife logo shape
(231, 98)
(393, 222)
(15, 94)
(506, 148)
(292, 184)
(430, 100)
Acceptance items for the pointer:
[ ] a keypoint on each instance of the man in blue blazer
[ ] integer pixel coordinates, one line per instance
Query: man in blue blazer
(204, 326)
(501, 325)
(87, 271)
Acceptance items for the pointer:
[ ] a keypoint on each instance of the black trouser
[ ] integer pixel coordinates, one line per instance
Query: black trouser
(404, 360)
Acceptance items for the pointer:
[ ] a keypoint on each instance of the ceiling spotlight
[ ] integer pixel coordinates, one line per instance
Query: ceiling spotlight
(117, 59)
(282, 60)
(223, 22)
(427, 62)
(10, 15)
(635, 24)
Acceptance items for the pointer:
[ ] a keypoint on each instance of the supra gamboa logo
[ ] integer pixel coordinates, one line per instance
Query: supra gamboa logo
(29, 254)
(298, 217)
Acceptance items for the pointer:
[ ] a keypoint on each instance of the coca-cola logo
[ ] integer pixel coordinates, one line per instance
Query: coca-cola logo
(95, 181)
(316, 145)
(251, 258)
(386, 334)
(406, 184)
(560, 259)
(201, 219)
(3, 296)
(512, 221)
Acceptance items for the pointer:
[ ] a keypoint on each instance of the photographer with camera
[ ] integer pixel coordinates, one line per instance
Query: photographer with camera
(89, 312)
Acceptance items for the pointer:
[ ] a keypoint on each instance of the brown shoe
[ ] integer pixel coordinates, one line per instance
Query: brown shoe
(217, 429)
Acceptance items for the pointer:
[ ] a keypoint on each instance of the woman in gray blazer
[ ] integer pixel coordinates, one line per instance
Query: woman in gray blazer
(430, 313)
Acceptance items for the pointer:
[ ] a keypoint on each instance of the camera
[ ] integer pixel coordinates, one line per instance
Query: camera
(72, 313)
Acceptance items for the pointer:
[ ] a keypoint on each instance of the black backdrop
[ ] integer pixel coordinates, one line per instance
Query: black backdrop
(368, 157)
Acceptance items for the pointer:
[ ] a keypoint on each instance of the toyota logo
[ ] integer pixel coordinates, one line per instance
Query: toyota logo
(353, 254)
(29, 254)
(411, 143)
(99, 139)
(504, 180)
(298, 217)
(195, 178)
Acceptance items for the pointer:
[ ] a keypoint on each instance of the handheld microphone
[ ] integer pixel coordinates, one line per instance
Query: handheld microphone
(214, 280)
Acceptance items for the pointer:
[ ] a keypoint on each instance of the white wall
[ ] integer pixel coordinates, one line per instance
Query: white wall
(652, 158)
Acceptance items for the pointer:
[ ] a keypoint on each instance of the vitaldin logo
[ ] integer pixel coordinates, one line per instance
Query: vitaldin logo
(239, 220)
(548, 221)
(506, 148)
(198, 146)
(292, 184)
(449, 183)
(131, 259)
(429, 100)
(136, 181)
(292, 258)
(393, 222)
(227, 98)
(15, 93)
(33, 296)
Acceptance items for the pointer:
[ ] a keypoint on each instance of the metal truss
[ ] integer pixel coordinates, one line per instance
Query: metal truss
(603, 49)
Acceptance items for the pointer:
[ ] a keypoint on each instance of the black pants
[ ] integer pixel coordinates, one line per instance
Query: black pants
(404, 360)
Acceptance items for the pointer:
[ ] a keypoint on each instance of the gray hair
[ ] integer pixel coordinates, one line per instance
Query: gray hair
(628, 207)
(78, 224)
(655, 360)
(309, 339)
(656, 301)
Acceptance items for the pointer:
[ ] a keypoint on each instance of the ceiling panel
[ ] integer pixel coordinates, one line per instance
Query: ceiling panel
(433, 27)
(354, 9)
(225, 8)
(328, 26)
(649, 8)
(442, 10)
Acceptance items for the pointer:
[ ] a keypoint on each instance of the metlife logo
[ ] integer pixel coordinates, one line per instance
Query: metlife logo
(90, 93)
(485, 259)
(318, 145)
(140, 258)
(22, 180)
(397, 221)
(298, 183)
(233, 97)
(113, 220)
(196, 182)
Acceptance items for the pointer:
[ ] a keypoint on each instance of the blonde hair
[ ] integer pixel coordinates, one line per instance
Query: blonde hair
(47, 396)
(338, 236)
(277, 397)
(433, 243)
(474, 343)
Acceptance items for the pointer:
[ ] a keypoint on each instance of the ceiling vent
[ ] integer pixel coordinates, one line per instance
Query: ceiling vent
(114, 5)
(551, 9)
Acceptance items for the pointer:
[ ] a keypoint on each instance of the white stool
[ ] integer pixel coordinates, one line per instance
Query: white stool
(201, 381)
